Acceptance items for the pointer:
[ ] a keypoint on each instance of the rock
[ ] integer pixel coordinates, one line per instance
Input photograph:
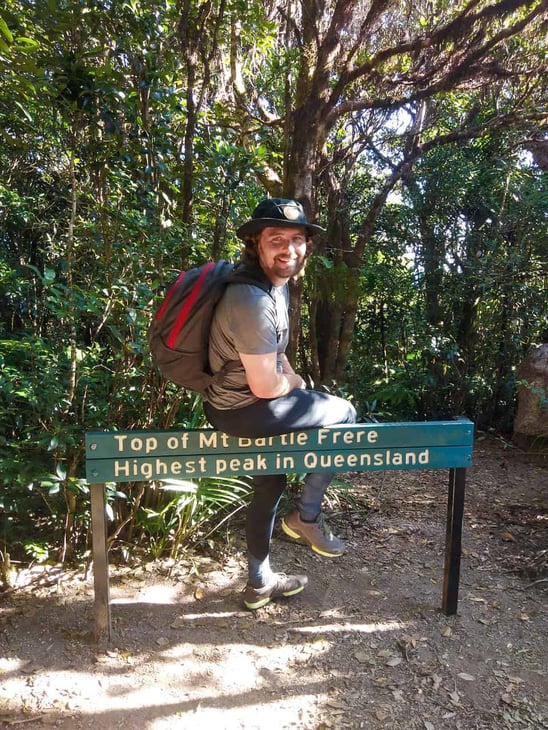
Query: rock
(531, 420)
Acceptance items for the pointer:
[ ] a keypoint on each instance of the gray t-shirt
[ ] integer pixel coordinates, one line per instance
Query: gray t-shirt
(251, 321)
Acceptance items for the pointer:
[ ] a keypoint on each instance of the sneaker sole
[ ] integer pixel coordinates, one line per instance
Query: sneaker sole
(295, 535)
(257, 604)
(263, 601)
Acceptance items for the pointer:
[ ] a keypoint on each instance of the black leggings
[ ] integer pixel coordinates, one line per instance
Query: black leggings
(296, 411)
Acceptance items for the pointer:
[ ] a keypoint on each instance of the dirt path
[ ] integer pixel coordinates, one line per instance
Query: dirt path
(364, 646)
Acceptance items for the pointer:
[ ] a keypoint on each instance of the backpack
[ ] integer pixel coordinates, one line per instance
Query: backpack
(178, 337)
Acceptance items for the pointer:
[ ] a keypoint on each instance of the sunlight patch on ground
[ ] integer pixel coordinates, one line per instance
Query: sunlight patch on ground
(238, 666)
(157, 593)
(214, 615)
(348, 628)
(11, 664)
(220, 687)
(300, 711)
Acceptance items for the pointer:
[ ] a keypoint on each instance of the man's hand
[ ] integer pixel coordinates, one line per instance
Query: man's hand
(263, 378)
(286, 365)
(288, 370)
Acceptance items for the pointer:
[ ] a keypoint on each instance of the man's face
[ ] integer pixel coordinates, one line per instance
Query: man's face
(282, 252)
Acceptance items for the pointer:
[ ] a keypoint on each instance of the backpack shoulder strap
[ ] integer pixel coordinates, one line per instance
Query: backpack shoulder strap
(244, 273)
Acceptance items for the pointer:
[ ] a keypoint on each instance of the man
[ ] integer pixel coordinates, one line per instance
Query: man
(264, 396)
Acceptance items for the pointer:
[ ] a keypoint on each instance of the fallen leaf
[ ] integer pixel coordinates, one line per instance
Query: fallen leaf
(466, 677)
(446, 631)
(162, 641)
(336, 704)
(361, 656)
(508, 537)
(394, 661)
(436, 681)
(199, 593)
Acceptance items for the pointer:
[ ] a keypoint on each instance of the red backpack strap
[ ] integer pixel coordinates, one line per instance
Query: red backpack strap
(171, 292)
(187, 306)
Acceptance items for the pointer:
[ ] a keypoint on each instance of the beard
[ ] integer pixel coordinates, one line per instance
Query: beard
(289, 269)
(282, 269)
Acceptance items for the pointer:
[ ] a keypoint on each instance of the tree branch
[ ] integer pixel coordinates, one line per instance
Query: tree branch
(461, 68)
(404, 166)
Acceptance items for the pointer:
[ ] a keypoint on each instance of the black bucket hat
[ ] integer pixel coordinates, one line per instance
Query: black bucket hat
(277, 213)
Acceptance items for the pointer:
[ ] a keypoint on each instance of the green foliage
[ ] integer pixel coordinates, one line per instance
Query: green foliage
(453, 288)
(196, 513)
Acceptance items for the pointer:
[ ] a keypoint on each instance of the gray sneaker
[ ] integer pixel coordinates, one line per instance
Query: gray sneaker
(316, 534)
(280, 585)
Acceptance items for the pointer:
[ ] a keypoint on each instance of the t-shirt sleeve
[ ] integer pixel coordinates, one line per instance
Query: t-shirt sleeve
(252, 314)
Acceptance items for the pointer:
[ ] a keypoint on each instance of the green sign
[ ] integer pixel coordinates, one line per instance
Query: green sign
(170, 455)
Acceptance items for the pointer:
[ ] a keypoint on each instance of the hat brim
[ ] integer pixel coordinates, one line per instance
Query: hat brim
(257, 224)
